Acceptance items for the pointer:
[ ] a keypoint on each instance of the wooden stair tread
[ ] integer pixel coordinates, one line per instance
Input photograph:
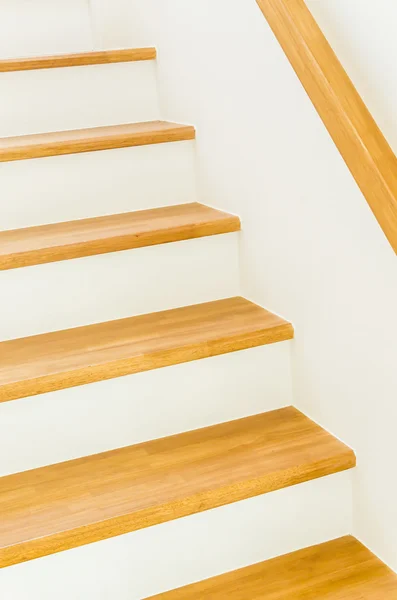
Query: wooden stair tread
(39, 145)
(62, 359)
(70, 504)
(340, 569)
(86, 237)
(76, 60)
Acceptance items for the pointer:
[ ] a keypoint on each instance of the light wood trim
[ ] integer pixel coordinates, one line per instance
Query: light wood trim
(354, 131)
(63, 359)
(340, 569)
(100, 235)
(77, 60)
(89, 140)
(93, 498)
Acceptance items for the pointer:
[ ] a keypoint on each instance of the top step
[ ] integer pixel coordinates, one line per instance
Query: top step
(77, 60)
(342, 568)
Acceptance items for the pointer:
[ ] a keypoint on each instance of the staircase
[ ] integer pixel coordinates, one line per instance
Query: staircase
(121, 478)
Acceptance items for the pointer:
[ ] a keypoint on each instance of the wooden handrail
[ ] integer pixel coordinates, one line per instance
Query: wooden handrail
(350, 124)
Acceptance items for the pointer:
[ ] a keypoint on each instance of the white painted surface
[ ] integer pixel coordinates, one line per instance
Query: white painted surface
(156, 559)
(128, 410)
(311, 249)
(78, 97)
(77, 186)
(112, 286)
(39, 27)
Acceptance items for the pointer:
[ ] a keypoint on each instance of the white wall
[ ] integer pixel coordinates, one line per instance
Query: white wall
(39, 27)
(311, 248)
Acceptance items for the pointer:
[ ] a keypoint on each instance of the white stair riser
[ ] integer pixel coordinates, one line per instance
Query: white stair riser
(119, 412)
(105, 287)
(173, 554)
(44, 27)
(77, 186)
(78, 97)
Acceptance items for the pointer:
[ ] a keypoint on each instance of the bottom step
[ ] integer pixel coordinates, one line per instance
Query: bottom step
(343, 568)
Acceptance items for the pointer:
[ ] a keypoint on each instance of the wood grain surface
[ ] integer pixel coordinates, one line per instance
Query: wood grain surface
(86, 237)
(349, 122)
(342, 569)
(74, 503)
(39, 145)
(76, 60)
(62, 359)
